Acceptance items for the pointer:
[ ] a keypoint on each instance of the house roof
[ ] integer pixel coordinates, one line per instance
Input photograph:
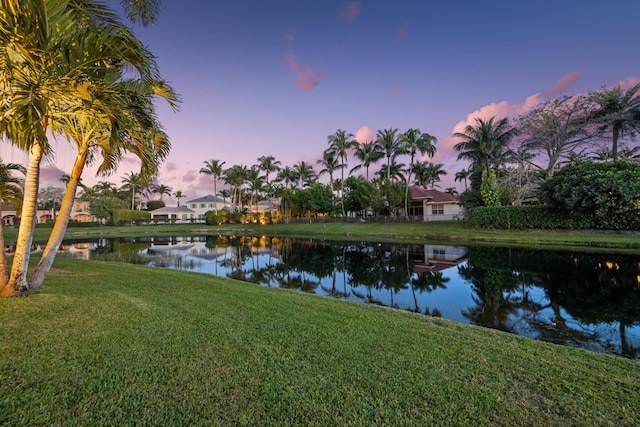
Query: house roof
(171, 209)
(207, 198)
(432, 196)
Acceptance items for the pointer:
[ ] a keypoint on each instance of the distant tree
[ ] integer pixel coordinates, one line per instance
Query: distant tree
(179, 195)
(554, 129)
(412, 142)
(268, 164)
(155, 204)
(213, 168)
(485, 145)
(618, 113)
(10, 194)
(161, 190)
(368, 153)
(340, 143)
(287, 175)
(389, 142)
(462, 176)
(103, 207)
(305, 173)
(428, 174)
(133, 182)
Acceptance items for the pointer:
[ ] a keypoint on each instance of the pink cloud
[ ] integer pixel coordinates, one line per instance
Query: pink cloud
(350, 11)
(403, 31)
(364, 134)
(50, 176)
(305, 77)
(190, 176)
(562, 85)
(629, 82)
(170, 166)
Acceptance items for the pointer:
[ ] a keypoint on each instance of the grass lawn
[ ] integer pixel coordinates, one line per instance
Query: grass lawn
(112, 344)
(454, 232)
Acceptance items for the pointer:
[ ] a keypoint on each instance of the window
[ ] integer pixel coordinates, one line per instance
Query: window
(203, 205)
(194, 205)
(210, 205)
(437, 210)
(184, 216)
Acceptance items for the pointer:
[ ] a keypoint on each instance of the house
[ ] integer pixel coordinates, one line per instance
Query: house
(201, 205)
(435, 205)
(79, 212)
(175, 214)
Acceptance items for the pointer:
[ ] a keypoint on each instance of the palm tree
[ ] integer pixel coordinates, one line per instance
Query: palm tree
(485, 145)
(619, 113)
(179, 195)
(213, 168)
(451, 190)
(389, 142)
(236, 176)
(10, 193)
(256, 184)
(69, 66)
(133, 182)
(394, 172)
(339, 145)
(412, 142)
(367, 153)
(105, 187)
(161, 190)
(329, 165)
(427, 173)
(462, 176)
(268, 164)
(287, 175)
(305, 173)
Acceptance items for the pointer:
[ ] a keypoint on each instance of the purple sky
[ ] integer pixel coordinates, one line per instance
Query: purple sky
(277, 77)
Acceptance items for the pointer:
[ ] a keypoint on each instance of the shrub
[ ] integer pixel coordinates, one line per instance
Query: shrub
(525, 217)
(126, 215)
(216, 217)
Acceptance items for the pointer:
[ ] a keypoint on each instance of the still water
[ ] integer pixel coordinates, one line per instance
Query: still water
(580, 299)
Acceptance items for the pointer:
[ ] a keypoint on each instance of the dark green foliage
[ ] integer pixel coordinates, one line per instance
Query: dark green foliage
(525, 217)
(216, 217)
(103, 207)
(361, 195)
(127, 215)
(155, 204)
(606, 193)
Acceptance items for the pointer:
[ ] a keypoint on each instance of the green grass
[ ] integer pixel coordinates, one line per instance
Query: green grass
(109, 344)
(444, 231)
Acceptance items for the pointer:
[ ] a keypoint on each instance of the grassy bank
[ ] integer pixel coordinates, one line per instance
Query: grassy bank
(107, 344)
(447, 231)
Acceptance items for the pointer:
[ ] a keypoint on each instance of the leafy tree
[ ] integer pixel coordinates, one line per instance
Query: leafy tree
(489, 189)
(607, 192)
(361, 195)
(103, 207)
(393, 193)
(155, 204)
(555, 129)
(618, 113)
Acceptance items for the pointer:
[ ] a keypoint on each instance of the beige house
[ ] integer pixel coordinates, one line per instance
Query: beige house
(435, 205)
(79, 212)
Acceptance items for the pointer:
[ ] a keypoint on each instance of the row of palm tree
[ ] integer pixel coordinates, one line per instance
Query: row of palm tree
(390, 144)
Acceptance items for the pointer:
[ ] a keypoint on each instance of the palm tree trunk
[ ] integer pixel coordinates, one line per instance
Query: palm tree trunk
(614, 148)
(60, 226)
(3, 259)
(17, 284)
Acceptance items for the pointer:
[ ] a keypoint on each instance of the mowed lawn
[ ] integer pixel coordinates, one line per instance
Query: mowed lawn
(113, 344)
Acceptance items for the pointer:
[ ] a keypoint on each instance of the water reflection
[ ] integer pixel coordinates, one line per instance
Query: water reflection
(578, 299)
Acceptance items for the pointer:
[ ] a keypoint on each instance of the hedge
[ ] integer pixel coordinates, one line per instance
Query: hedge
(526, 217)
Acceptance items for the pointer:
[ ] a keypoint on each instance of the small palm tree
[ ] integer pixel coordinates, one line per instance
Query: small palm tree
(368, 153)
(462, 176)
(305, 173)
(161, 190)
(133, 182)
(179, 195)
(287, 175)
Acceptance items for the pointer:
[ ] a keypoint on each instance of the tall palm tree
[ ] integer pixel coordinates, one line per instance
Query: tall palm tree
(340, 143)
(236, 176)
(256, 184)
(368, 153)
(268, 164)
(462, 176)
(412, 142)
(485, 145)
(618, 112)
(10, 193)
(389, 142)
(64, 48)
(427, 173)
(329, 164)
(179, 195)
(213, 168)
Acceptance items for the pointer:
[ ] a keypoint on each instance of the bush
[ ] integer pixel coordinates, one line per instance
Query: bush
(216, 217)
(155, 204)
(606, 193)
(128, 215)
(525, 217)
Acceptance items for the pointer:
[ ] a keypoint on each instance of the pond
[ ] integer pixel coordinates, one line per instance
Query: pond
(580, 299)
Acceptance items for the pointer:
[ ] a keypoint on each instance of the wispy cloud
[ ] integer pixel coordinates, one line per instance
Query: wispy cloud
(350, 11)
(403, 31)
(305, 77)
(563, 84)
